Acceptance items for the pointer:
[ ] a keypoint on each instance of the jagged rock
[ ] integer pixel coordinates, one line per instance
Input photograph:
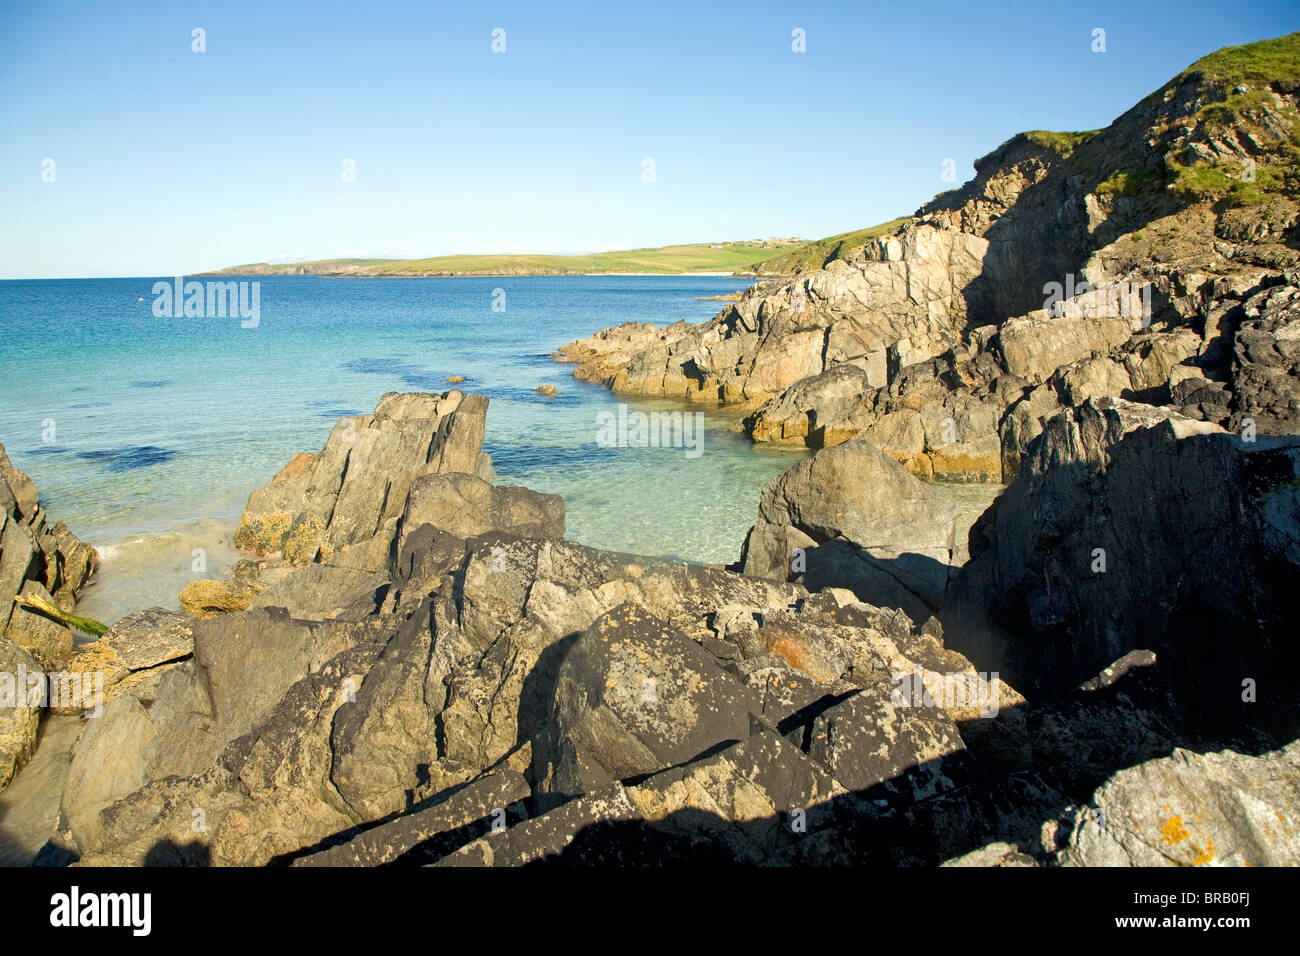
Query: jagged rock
(1191, 809)
(633, 697)
(342, 495)
(1266, 362)
(898, 300)
(853, 517)
(483, 802)
(602, 354)
(18, 721)
(30, 550)
(1198, 533)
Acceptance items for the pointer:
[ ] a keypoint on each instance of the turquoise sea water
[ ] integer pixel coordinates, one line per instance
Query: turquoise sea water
(146, 434)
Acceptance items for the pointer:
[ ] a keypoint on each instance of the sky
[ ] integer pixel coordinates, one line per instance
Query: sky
(166, 160)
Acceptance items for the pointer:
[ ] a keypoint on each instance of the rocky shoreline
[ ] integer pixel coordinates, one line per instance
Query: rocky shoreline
(412, 666)
(421, 670)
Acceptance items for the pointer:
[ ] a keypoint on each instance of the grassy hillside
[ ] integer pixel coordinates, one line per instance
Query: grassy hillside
(815, 255)
(1245, 104)
(698, 257)
(1275, 61)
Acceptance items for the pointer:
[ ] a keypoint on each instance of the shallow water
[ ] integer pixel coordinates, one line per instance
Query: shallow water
(147, 434)
(29, 806)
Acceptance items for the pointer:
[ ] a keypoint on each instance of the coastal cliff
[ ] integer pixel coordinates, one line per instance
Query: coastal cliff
(1155, 260)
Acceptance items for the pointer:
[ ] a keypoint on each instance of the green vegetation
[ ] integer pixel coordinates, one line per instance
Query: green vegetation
(1220, 181)
(1062, 143)
(698, 257)
(1267, 61)
(1132, 183)
(85, 624)
(1240, 104)
(815, 255)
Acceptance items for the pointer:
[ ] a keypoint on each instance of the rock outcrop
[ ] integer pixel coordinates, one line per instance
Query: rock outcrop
(502, 696)
(852, 517)
(36, 558)
(48, 563)
(505, 653)
(324, 531)
(1136, 262)
(358, 483)
(1194, 809)
(1131, 527)
(900, 301)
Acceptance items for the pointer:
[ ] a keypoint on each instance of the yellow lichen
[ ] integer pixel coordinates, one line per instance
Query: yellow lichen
(1204, 856)
(1173, 831)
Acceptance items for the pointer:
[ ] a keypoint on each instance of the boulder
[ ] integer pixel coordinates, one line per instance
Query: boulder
(852, 517)
(632, 697)
(1133, 527)
(1194, 809)
(204, 599)
(18, 721)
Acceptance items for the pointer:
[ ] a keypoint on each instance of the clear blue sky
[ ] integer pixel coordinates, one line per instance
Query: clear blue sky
(172, 161)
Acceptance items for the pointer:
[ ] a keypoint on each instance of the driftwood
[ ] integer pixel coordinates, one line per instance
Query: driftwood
(86, 624)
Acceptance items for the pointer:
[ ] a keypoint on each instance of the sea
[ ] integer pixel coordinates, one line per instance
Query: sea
(145, 433)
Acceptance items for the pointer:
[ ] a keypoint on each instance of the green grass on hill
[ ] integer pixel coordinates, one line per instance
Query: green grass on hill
(1267, 61)
(697, 257)
(815, 255)
(1062, 143)
(1243, 108)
